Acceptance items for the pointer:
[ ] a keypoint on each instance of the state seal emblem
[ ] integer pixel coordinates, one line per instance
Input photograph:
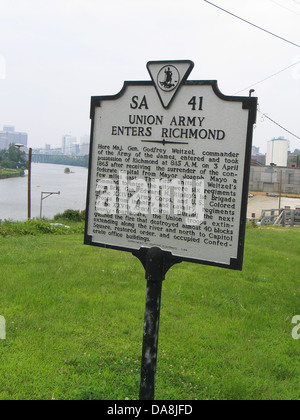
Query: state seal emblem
(168, 78)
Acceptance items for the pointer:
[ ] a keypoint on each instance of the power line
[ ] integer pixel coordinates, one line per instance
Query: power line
(253, 24)
(269, 77)
(283, 128)
(286, 8)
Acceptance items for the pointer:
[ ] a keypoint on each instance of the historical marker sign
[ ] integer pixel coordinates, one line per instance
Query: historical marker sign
(169, 168)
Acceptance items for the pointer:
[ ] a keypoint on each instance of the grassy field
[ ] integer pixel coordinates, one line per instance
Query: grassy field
(74, 321)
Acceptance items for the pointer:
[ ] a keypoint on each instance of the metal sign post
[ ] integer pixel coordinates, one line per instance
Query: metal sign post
(156, 264)
(154, 276)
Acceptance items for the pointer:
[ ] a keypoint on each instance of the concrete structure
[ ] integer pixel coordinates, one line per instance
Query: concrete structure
(277, 152)
(273, 179)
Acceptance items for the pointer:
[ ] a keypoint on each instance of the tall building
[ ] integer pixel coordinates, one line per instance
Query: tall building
(84, 146)
(277, 152)
(67, 147)
(8, 135)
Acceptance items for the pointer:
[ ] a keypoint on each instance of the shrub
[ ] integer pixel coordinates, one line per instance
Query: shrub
(72, 215)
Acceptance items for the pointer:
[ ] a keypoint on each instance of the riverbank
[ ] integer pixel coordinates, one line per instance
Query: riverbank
(11, 173)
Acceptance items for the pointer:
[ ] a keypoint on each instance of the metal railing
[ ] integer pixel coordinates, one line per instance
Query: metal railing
(280, 217)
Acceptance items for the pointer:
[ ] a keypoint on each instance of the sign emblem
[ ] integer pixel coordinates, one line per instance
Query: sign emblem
(168, 78)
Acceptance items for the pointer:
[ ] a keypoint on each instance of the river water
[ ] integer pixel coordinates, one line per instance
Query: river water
(73, 187)
(44, 178)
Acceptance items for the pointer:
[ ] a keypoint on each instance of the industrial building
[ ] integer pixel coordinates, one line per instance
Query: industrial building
(275, 179)
(277, 152)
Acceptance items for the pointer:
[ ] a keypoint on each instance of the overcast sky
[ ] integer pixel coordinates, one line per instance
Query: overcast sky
(56, 54)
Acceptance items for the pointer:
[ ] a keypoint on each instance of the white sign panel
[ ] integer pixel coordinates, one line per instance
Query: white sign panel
(169, 167)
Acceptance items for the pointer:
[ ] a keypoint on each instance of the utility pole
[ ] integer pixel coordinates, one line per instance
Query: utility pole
(29, 184)
(18, 146)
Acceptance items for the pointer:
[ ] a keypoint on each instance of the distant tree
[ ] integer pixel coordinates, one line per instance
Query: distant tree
(13, 158)
(7, 164)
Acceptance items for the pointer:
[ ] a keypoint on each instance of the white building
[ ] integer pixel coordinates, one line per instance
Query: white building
(67, 146)
(84, 146)
(277, 152)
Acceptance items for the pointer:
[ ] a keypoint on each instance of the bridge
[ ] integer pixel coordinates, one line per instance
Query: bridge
(71, 160)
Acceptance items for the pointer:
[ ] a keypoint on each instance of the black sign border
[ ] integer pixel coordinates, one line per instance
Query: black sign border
(249, 103)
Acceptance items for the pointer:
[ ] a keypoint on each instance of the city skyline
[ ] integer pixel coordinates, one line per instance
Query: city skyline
(68, 141)
(9, 134)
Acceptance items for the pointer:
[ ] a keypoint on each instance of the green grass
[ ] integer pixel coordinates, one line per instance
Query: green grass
(74, 317)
